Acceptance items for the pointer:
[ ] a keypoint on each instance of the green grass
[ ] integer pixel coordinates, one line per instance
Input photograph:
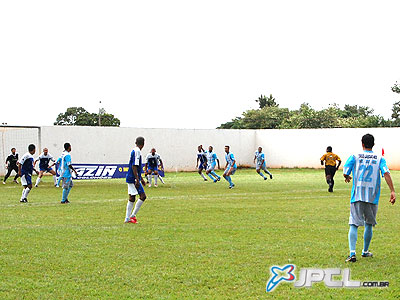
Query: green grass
(195, 239)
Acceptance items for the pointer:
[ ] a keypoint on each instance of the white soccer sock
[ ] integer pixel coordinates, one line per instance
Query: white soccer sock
(129, 207)
(55, 179)
(150, 179)
(155, 179)
(38, 180)
(25, 193)
(202, 175)
(137, 207)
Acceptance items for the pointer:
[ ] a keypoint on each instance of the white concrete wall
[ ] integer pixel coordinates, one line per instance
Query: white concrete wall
(304, 147)
(178, 147)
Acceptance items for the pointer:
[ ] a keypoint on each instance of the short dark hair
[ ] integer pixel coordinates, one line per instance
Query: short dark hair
(66, 146)
(13, 149)
(140, 141)
(368, 140)
(329, 148)
(31, 147)
(227, 146)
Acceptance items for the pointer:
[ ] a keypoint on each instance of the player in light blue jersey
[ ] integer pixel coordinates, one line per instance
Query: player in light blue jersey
(212, 161)
(230, 167)
(25, 170)
(66, 175)
(366, 167)
(259, 160)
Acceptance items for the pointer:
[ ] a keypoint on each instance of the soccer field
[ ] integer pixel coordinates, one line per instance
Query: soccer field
(194, 240)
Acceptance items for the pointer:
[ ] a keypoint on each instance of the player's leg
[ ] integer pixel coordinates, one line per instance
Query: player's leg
(39, 178)
(26, 181)
(258, 170)
(266, 171)
(214, 173)
(370, 210)
(142, 198)
(9, 170)
(208, 172)
(333, 172)
(227, 177)
(352, 240)
(131, 201)
(16, 174)
(67, 186)
(155, 174)
(58, 181)
(52, 172)
(200, 170)
(149, 173)
(356, 219)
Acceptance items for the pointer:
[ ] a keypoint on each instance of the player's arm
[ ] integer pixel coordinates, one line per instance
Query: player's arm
(219, 167)
(197, 162)
(7, 159)
(322, 159)
(389, 182)
(19, 168)
(161, 164)
(73, 170)
(339, 163)
(254, 160)
(34, 163)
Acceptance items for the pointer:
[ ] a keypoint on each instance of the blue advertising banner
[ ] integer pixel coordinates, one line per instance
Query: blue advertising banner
(102, 171)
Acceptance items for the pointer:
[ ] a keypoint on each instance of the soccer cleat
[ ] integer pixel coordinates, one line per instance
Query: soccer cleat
(367, 254)
(67, 201)
(270, 176)
(149, 185)
(265, 178)
(219, 178)
(232, 186)
(351, 258)
(23, 200)
(132, 220)
(156, 185)
(36, 185)
(215, 180)
(4, 182)
(205, 179)
(330, 190)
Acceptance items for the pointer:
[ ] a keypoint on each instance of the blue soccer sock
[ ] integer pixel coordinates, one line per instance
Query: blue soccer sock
(58, 180)
(65, 194)
(212, 178)
(215, 174)
(262, 175)
(352, 239)
(367, 236)
(228, 178)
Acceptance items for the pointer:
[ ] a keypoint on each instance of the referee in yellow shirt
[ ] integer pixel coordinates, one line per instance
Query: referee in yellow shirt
(330, 166)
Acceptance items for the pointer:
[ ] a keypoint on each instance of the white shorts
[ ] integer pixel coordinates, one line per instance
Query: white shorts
(26, 180)
(133, 191)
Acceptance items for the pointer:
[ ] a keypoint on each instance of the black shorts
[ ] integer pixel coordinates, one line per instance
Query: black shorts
(330, 170)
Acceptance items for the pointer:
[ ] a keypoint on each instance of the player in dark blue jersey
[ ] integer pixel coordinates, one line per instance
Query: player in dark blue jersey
(44, 160)
(25, 170)
(135, 182)
(201, 161)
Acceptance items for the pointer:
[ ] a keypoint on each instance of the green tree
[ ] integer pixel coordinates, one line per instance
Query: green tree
(78, 116)
(263, 101)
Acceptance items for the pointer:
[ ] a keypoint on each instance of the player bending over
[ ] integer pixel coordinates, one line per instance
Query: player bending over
(25, 170)
(201, 163)
(44, 160)
(153, 160)
(212, 161)
(66, 176)
(366, 167)
(230, 167)
(260, 164)
(11, 165)
(135, 182)
(330, 166)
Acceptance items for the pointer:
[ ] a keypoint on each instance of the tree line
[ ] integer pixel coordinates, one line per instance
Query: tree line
(270, 116)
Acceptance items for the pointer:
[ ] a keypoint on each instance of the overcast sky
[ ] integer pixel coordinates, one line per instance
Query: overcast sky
(193, 64)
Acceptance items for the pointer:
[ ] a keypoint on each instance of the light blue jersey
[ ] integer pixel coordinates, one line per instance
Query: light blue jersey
(367, 168)
(65, 163)
(260, 159)
(211, 159)
(230, 159)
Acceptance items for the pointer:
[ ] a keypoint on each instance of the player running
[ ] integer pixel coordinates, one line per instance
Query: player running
(135, 182)
(11, 165)
(201, 163)
(366, 167)
(260, 164)
(25, 170)
(230, 167)
(330, 166)
(65, 173)
(212, 161)
(153, 160)
(44, 160)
